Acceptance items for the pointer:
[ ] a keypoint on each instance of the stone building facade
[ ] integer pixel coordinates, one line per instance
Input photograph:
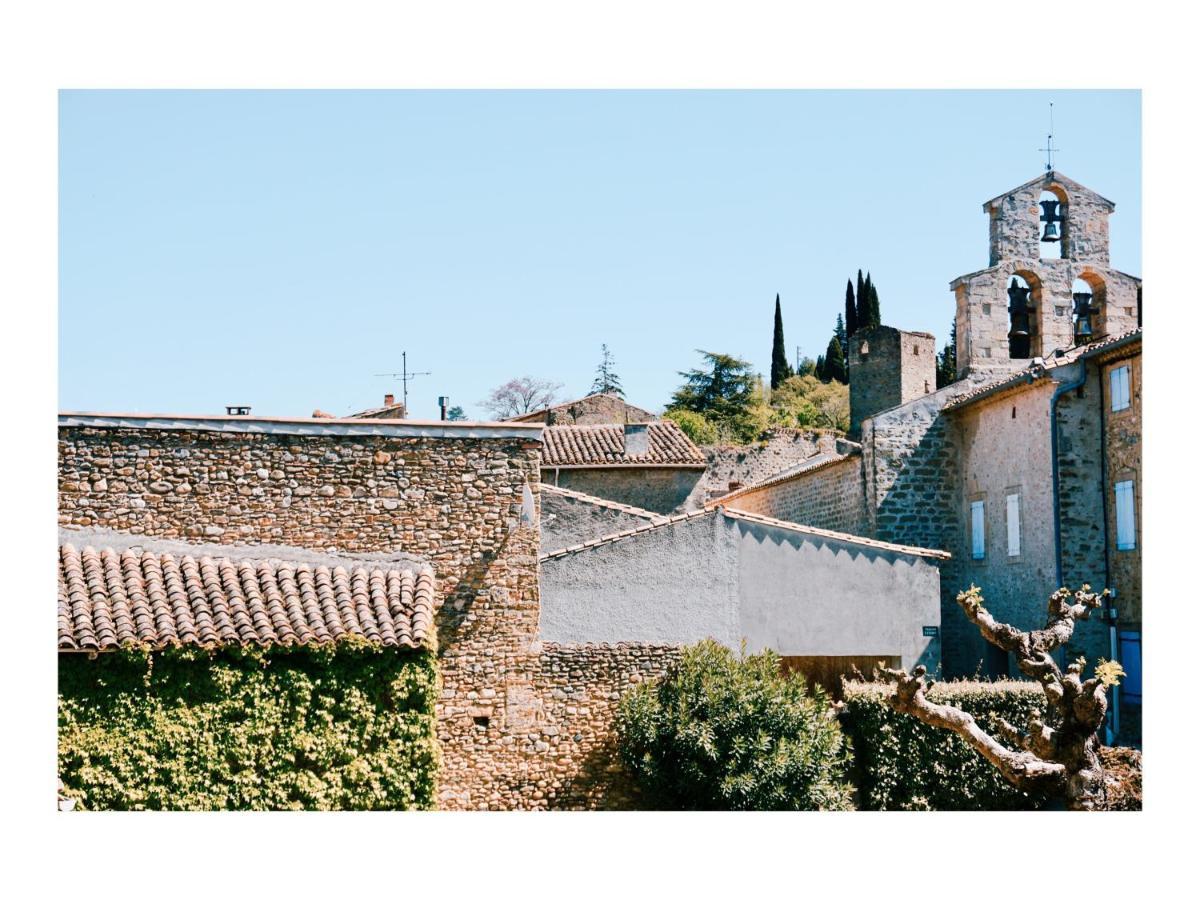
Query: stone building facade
(730, 467)
(594, 409)
(888, 368)
(463, 498)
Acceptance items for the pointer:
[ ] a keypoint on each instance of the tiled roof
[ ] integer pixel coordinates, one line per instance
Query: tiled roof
(1037, 370)
(812, 464)
(110, 597)
(604, 445)
(607, 504)
(748, 517)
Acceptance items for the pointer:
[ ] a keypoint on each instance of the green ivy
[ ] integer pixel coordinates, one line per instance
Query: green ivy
(350, 726)
(902, 763)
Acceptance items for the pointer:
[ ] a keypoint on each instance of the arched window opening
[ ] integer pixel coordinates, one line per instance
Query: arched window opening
(1022, 332)
(1052, 206)
(1088, 294)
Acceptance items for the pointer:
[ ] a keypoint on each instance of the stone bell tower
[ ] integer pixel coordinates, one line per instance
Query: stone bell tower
(1025, 305)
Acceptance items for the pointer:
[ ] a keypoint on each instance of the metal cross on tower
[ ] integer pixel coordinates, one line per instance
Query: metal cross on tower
(404, 375)
(1050, 149)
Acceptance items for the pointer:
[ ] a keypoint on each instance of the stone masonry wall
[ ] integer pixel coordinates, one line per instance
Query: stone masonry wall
(456, 502)
(832, 497)
(659, 490)
(1123, 461)
(582, 685)
(568, 520)
(744, 464)
(888, 367)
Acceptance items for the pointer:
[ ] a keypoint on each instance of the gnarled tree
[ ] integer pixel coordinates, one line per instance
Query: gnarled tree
(1056, 755)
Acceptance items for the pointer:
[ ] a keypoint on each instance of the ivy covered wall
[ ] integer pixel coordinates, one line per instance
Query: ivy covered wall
(325, 727)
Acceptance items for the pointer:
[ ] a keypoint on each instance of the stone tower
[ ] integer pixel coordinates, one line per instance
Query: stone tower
(983, 317)
(888, 367)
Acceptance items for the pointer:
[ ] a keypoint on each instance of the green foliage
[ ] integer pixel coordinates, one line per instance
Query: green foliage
(851, 321)
(720, 731)
(902, 763)
(947, 360)
(456, 414)
(246, 728)
(835, 363)
(607, 381)
(804, 401)
(694, 425)
(780, 370)
(727, 393)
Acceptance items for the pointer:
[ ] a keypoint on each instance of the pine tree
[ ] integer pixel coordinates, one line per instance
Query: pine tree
(947, 364)
(780, 370)
(835, 363)
(873, 304)
(607, 381)
(851, 312)
(843, 337)
(863, 300)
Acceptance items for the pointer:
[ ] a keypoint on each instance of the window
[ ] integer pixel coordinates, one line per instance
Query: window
(1013, 519)
(977, 535)
(1118, 380)
(1126, 524)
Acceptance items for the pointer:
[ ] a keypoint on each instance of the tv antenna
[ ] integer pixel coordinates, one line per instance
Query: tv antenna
(404, 375)
(1050, 149)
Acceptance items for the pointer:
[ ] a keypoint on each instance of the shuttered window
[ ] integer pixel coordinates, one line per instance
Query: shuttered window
(1013, 518)
(1118, 380)
(1126, 524)
(977, 542)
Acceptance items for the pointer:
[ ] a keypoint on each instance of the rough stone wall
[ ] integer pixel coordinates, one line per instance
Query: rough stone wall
(582, 685)
(833, 497)
(659, 490)
(1003, 446)
(743, 464)
(456, 502)
(597, 409)
(888, 367)
(568, 520)
(1123, 461)
(1015, 229)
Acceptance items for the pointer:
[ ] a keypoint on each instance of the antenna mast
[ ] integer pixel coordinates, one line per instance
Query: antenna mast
(404, 375)
(1050, 149)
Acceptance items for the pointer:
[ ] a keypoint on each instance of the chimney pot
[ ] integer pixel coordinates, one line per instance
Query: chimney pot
(389, 399)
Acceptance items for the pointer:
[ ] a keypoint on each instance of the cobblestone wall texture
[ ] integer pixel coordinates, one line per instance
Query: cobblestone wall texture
(659, 490)
(888, 367)
(832, 497)
(743, 464)
(1123, 436)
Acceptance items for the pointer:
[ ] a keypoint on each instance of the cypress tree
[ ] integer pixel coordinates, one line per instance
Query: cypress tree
(873, 304)
(780, 370)
(863, 305)
(851, 312)
(820, 372)
(835, 363)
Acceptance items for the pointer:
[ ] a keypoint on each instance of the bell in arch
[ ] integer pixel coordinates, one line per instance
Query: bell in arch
(1083, 316)
(1051, 217)
(1019, 310)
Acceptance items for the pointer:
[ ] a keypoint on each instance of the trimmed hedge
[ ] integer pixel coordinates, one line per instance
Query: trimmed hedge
(902, 763)
(351, 727)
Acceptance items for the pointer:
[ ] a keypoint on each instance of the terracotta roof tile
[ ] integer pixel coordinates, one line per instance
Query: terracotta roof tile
(604, 445)
(108, 598)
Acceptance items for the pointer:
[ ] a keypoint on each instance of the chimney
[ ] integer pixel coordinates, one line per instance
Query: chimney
(637, 439)
(389, 400)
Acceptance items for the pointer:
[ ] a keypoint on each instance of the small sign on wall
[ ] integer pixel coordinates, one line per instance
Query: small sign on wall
(929, 631)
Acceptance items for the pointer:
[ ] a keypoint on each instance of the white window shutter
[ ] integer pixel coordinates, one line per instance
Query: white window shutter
(977, 535)
(1119, 388)
(1013, 513)
(1126, 524)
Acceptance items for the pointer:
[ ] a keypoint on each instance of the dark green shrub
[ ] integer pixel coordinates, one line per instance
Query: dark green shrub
(902, 763)
(285, 728)
(723, 732)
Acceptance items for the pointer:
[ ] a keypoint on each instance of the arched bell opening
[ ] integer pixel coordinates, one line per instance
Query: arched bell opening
(1024, 299)
(1052, 215)
(1089, 296)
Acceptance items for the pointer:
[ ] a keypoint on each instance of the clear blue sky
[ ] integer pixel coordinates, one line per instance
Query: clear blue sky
(280, 248)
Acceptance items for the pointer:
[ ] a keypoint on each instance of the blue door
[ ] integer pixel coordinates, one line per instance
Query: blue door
(1131, 661)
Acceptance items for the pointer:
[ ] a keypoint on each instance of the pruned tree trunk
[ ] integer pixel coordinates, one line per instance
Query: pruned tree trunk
(1056, 756)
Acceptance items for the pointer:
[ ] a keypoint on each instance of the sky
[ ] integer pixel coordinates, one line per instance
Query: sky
(281, 249)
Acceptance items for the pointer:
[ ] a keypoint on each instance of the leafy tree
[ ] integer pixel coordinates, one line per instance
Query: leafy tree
(851, 312)
(780, 370)
(520, 396)
(694, 425)
(607, 381)
(804, 401)
(720, 731)
(456, 414)
(726, 393)
(835, 363)
(807, 366)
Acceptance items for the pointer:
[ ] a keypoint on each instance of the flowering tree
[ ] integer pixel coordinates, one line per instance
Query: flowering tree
(1056, 755)
(521, 395)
